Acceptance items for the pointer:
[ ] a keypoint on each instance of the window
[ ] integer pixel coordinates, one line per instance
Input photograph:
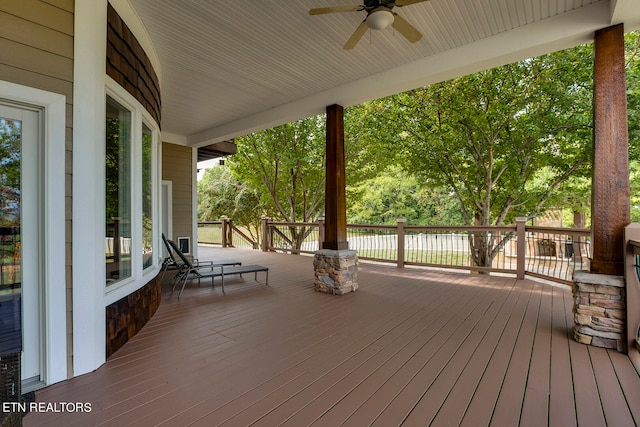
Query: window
(147, 197)
(118, 192)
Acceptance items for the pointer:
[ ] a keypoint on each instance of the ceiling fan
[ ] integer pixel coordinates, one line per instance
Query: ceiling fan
(380, 15)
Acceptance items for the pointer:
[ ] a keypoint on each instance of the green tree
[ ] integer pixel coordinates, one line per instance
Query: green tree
(285, 165)
(221, 194)
(10, 149)
(395, 193)
(501, 141)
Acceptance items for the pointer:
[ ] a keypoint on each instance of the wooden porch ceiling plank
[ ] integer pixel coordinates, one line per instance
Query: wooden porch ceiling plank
(457, 381)
(481, 407)
(397, 350)
(458, 401)
(614, 403)
(509, 404)
(367, 413)
(452, 352)
(562, 411)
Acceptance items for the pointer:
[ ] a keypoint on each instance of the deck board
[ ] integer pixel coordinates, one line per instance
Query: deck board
(509, 404)
(480, 409)
(454, 408)
(562, 411)
(411, 346)
(614, 404)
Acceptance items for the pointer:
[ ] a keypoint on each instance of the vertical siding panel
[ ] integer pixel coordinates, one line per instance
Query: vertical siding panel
(177, 167)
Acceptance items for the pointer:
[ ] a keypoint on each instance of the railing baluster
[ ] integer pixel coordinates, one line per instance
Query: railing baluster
(538, 251)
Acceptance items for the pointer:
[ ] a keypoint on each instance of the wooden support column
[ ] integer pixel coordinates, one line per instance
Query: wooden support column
(335, 202)
(610, 194)
(335, 266)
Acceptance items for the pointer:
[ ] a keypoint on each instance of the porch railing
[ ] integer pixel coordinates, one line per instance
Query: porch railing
(226, 234)
(545, 252)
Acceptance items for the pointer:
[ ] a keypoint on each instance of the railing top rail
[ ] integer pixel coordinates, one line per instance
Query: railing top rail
(209, 222)
(461, 228)
(636, 246)
(294, 224)
(373, 226)
(560, 230)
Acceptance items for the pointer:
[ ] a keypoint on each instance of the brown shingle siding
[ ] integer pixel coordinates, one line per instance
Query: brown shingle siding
(128, 64)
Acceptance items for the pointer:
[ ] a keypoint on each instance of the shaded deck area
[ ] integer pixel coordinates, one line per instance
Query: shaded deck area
(410, 347)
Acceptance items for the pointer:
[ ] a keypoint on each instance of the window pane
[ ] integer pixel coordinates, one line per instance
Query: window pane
(147, 194)
(118, 192)
(10, 236)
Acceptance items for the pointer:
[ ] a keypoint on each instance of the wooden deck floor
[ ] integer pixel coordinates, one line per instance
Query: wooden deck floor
(410, 347)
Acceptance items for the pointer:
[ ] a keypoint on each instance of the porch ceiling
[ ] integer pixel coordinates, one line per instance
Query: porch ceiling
(230, 68)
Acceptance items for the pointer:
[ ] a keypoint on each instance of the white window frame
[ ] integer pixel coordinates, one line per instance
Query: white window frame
(139, 115)
(53, 108)
(88, 225)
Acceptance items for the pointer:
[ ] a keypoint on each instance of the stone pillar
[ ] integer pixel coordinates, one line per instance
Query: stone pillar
(600, 310)
(336, 272)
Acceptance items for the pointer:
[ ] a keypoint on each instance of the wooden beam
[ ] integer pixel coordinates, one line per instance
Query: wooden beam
(335, 200)
(610, 210)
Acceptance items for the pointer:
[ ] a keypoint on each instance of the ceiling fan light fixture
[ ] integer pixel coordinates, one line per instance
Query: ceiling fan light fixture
(380, 19)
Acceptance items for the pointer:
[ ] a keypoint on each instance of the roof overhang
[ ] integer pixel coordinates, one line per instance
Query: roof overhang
(216, 150)
(247, 66)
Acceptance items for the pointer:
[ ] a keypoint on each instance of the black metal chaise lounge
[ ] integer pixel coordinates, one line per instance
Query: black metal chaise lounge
(217, 269)
(171, 263)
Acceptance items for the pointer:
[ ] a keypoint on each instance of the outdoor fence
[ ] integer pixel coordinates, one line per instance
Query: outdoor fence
(545, 252)
(226, 234)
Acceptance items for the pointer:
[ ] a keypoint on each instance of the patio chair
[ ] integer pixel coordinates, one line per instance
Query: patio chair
(170, 263)
(217, 269)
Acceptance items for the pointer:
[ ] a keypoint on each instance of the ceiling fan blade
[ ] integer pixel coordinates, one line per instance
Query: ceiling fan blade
(407, 30)
(336, 9)
(401, 3)
(356, 36)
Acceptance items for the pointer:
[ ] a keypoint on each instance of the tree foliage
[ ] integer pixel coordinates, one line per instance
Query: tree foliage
(221, 194)
(394, 193)
(510, 141)
(10, 149)
(488, 136)
(502, 141)
(286, 165)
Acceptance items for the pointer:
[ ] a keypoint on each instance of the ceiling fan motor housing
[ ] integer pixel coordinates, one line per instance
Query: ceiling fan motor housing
(370, 5)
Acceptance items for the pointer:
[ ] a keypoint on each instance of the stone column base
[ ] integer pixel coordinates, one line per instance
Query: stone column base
(336, 272)
(600, 310)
